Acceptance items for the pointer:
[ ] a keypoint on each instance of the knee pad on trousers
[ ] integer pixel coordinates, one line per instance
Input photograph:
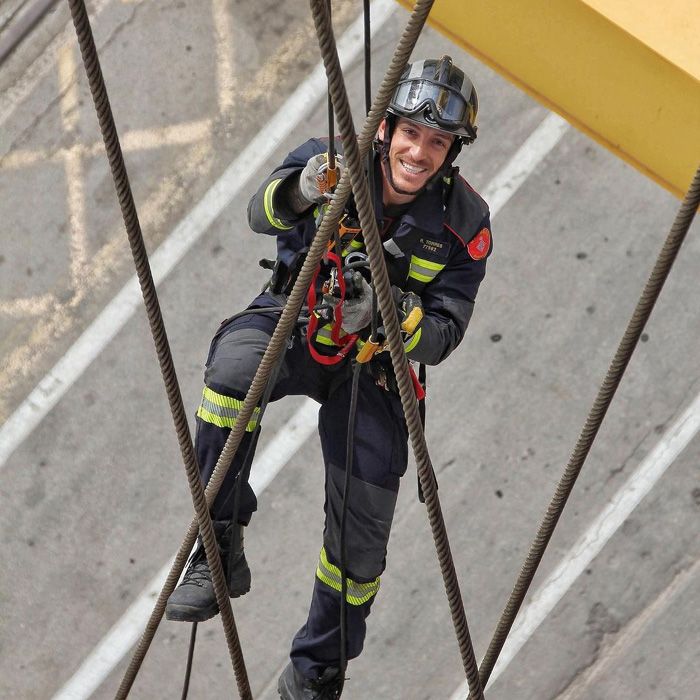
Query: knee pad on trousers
(234, 359)
(370, 511)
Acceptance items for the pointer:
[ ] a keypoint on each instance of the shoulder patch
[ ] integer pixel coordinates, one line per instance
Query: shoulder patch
(479, 246)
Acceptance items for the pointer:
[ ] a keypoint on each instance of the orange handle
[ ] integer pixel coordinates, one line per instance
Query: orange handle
(367, 351)
(410, 323)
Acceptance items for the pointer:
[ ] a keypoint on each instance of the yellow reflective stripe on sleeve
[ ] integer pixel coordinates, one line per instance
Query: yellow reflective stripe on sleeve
(412, 341)
(424, 270)
(357, 593)
(222, 411)
(269, 209)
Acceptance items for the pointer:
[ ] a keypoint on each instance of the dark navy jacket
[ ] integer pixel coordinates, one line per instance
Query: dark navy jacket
(437, 247)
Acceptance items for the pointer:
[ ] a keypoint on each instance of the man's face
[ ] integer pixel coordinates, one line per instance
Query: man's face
(416, 153)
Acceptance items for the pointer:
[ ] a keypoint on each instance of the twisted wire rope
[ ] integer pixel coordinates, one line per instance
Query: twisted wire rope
(110, 136)
(380, 279)
(282, 332)
(630, 338)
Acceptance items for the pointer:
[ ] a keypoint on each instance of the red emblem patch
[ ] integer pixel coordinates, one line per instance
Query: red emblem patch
(479, 246)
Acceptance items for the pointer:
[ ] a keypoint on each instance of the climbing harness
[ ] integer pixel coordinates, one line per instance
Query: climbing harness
(355, 149)
(346, 341)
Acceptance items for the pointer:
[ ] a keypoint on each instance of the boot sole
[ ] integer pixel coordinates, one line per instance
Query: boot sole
(186, 613)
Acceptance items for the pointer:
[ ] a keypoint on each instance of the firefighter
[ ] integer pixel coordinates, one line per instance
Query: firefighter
(436, 236)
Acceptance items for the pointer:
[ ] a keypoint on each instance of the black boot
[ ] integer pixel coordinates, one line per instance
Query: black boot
(235, 565)
(293, 686)
(194, 599)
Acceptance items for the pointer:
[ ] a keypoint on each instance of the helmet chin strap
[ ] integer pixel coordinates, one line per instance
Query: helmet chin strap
(443, 170)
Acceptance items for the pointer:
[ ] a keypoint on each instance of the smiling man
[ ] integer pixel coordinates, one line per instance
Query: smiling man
(436, 236)
(416, 153)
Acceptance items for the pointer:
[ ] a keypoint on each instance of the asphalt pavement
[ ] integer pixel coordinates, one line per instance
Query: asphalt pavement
(93, 496)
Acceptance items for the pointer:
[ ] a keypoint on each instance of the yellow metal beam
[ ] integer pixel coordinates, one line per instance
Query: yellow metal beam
(626, 72)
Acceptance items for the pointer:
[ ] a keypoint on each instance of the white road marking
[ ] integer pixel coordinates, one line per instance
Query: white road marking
(126, 632)
(225, 43)
(73, 165)
(537, 146)
(610, 656)
(17, 93)
(642, 480)
(134, 140)
(116, 314)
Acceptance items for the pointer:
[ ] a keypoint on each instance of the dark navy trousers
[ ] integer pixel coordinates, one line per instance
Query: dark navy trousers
(380, 458)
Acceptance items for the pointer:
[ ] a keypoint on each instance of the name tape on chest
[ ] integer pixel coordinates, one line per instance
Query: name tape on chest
(431, 246)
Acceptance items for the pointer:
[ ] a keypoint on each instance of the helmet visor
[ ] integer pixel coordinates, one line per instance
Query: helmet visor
(448, 107)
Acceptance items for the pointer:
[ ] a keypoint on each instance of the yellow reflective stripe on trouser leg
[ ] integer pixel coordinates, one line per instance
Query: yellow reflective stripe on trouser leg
(357, 593)
(222, 411)
(269, 209)
(424, 270)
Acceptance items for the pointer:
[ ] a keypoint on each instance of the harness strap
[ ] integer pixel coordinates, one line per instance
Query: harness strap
(347, 341)
(417, 385)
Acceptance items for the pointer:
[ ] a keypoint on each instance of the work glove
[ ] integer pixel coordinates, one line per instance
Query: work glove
(357, 310)
(313, 180)
(410, 309)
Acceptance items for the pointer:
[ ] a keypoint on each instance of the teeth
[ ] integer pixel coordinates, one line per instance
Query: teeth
(412, 169)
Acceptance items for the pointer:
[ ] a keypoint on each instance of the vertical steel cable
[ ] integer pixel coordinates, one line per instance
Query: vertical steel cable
(282, 331)
(380, 279)
(126, 201)
(629, 341)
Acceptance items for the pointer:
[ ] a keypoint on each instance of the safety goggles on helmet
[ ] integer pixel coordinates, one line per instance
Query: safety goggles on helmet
(448, 108)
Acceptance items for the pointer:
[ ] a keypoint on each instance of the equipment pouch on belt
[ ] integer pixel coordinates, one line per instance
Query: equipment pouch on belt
(283, 276)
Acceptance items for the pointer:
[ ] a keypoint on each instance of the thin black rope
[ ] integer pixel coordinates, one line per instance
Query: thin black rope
(370, 154)
(349, 453)
(630, 339)
(188, 667)
(331, 119)
(331, 154)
